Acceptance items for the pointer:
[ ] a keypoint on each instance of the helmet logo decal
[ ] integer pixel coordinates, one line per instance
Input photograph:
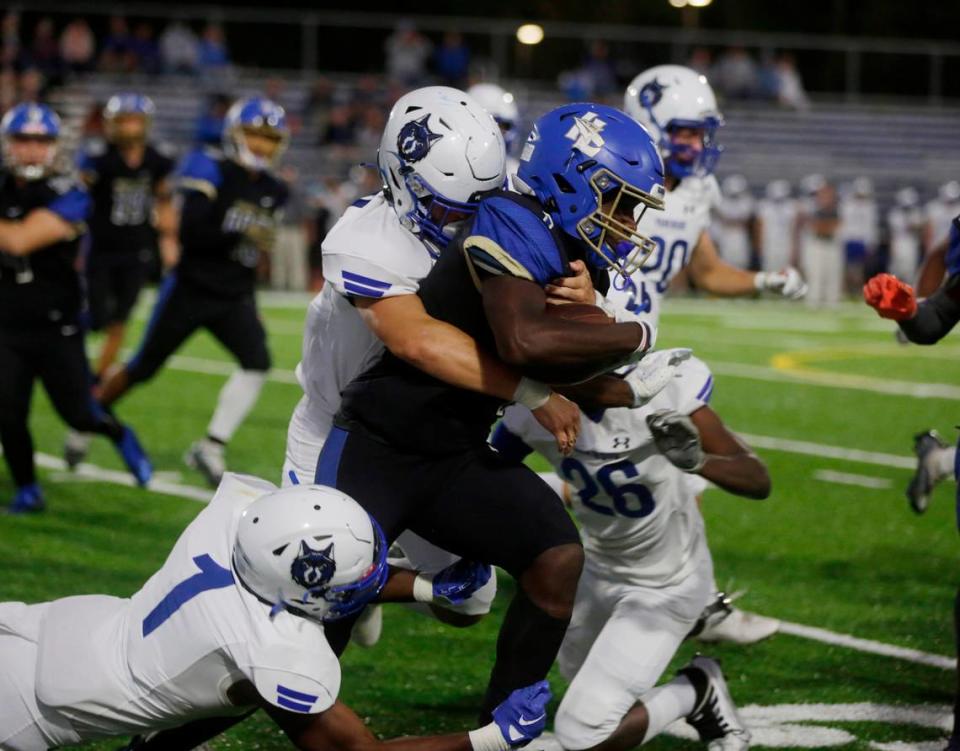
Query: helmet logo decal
(585, 134)
(313, 568)
(651, 93)
(416, 139)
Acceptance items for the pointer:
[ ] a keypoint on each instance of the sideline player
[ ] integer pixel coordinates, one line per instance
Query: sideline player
(648, 573)
(233, 621)
(227, 219)
(413, 450)
(927, 322)
(41, 336)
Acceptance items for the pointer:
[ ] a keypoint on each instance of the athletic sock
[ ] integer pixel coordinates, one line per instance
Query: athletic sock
(943, 462)
(236, 399)
(668, 703)
(526, 648)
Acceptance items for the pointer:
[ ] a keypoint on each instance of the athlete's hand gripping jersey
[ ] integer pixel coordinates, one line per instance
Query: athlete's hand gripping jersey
(639, 516)
(169, 654)
(676, 231)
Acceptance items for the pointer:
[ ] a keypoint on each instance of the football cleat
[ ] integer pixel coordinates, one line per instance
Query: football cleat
(926, 446)
(76, 446)
(368, 628)
(28, 500)
(135, 457)
(714, 716)
(207, 457)
(739, 627)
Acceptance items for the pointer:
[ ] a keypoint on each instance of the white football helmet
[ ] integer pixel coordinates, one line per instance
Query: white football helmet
(907, 197)
(777, 190)
(862, 187)
(312, 550)
(734, 186)
(949, 192)
(502, 105)
(439, 152)
(666, 97)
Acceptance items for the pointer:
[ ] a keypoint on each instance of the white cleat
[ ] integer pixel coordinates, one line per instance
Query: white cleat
(715, 716)
(739, 627)
(207, 457)
(369, 627)
(76, 446)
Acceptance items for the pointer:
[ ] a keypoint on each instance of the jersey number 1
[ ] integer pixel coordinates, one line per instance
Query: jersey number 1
(211, 576)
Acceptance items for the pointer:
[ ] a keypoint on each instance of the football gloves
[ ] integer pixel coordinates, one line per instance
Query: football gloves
(523, 716)
(890, 297)
(454, 585)
(653, 373)
(677, 438)
(786, 282)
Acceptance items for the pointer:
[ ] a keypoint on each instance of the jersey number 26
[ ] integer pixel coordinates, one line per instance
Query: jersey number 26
(629, 498)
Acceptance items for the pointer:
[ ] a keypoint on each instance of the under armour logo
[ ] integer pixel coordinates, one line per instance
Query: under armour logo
(621, 442)
(585, 133)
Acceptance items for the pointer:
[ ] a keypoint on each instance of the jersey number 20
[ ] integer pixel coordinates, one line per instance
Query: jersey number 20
(629, 498)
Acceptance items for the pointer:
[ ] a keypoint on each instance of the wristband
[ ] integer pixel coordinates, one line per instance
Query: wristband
(423, 588)
(532, 394)
(646, 342)
(488, 738)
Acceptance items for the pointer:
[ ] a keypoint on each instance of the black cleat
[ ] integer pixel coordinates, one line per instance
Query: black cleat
(715, 715)
(926, 476)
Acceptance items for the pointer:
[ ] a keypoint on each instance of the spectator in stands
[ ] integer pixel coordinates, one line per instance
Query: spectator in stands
(821, 251)
(340, 127)
(116, 56)
(735, 215)
(33, 86)
(213, 58)
(370, 128)
(288, 262)
(735, 74)
(859, 229)
(9, 94)
(316, 110)
(179, 49)
(407, 52)
(45, 50)
(905, 223)
(790, 91)
(599, 70)
(10, 51)
(451, 61)
(78, 48)
(145, 49)
(209, 128)
(774, 227)
(939, 212)
(700, 60)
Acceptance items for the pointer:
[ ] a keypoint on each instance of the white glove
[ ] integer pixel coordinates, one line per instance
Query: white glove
(653, 373)
(786, 282)
(677, 438)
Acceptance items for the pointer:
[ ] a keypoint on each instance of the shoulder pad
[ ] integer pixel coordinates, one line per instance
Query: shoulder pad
(508, 238)
(692, 388)
(72, 202)
(199, 171)
(295, 678)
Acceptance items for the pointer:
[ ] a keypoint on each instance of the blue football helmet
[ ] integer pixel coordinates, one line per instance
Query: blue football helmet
(35, 122)
(590, 165)
(128, 104)
(667, 97)
(258, 115)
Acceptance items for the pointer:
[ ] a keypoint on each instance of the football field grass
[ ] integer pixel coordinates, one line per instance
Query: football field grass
(829, 399)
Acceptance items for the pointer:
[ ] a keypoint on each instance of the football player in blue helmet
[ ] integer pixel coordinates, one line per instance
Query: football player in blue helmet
(595, 173)
(255, 133)
(44, 217)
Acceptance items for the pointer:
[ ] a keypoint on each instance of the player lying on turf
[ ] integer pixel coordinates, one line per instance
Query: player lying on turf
(232, 621)
(648, 574)
(927, 322)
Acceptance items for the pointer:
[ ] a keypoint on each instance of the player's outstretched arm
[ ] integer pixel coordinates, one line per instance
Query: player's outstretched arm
(450, 586)
(926, 322)
(550, 348)
(932, 271)
(713, 275)
(39, 229)
(701, 443)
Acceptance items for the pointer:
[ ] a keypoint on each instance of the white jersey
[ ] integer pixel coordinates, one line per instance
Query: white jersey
(906, 226)
(858, 220)
(639, 515)
(676, 231)
(368, 253)
(168, 654)
(732, 230)
(777, 225)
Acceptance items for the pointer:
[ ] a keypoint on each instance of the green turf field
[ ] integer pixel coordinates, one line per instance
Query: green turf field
(849, 558)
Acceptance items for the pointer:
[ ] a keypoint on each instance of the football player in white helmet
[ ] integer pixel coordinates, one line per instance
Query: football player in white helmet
(735, 212)
(678, 107)
(503, 106)
(632, 481)
(776, 220)
(233, 620)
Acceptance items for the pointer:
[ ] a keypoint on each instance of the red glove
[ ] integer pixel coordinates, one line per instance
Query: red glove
(890, 297)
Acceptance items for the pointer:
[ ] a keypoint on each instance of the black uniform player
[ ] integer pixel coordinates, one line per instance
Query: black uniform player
(128, 180)
(413, 449)
(227, 218)
(40, 301)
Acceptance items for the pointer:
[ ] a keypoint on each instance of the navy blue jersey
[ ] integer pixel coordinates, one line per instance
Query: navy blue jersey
(221, 201)
(42, 288)
(953, 248)
(396, 403)
(122, 198)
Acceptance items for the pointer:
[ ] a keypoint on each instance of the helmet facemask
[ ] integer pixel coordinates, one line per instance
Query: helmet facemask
(619, 244)
(30, 171)
(684, 160)
(239, 148)
(434, 216)
(117, 134)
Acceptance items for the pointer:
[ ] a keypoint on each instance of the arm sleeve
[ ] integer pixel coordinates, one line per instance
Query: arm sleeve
(73, 206)
(353, 276)
(199, 228)
(936, 315)
(199, 173)
(507, 238)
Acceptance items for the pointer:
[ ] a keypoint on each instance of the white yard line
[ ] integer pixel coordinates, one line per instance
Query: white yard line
(848, 478)
(830, 452)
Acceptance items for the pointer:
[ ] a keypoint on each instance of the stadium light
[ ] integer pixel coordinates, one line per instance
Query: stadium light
(699, 3)
(530, 33)
(678, 3)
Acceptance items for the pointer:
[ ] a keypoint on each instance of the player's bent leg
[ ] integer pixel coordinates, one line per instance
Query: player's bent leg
(935, 462)
(306, 435)
(16, 386)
